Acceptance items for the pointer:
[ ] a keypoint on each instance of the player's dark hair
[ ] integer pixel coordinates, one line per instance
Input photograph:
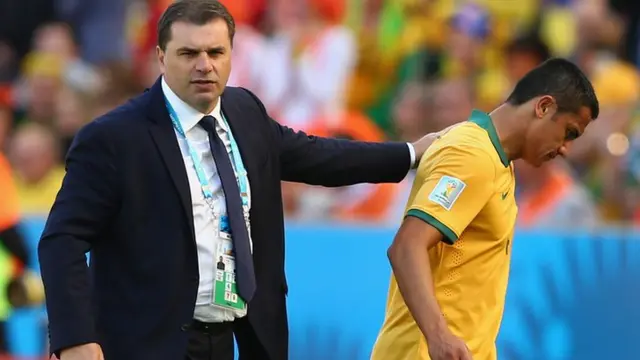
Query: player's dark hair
(561, 79)
(197, 12)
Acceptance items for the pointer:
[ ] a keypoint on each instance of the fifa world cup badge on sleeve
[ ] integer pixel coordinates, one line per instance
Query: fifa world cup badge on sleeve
(447, 191)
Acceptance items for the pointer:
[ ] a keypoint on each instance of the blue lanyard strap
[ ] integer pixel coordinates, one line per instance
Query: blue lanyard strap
(241, 172)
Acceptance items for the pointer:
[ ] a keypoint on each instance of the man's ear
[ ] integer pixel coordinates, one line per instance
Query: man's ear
(160, 56)
(545, 105)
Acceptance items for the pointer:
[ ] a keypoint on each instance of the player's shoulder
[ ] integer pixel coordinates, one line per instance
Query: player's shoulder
(465, 140)
(466, 134)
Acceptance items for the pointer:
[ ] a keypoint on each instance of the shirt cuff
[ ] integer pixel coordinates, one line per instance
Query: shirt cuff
(412, 155)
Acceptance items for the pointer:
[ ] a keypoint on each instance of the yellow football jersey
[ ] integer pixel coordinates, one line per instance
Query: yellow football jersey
(464, 187)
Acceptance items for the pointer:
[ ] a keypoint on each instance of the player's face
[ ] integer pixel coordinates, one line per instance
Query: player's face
(551, 132)
(197, 61)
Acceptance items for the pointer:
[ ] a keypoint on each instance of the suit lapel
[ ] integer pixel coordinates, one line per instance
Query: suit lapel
(167, 144)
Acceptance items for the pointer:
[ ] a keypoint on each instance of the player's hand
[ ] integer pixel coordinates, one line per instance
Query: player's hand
(423, 144)
(445, 346)
(91, 351)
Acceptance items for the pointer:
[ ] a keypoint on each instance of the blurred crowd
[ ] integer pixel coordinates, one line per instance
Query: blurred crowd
(369, 70)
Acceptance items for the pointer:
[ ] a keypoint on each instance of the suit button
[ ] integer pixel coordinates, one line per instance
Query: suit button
(185, 327)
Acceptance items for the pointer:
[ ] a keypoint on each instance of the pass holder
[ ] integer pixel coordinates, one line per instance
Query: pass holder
(225, 290)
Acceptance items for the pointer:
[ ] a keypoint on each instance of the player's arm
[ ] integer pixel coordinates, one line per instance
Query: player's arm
(433, 218)
(412, 270)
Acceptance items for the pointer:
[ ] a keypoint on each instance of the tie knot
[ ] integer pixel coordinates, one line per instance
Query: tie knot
(208, 123)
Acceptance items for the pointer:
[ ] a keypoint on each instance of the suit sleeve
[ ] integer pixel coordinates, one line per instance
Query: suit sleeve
(336, 162)
(85, 204)
(458, 182)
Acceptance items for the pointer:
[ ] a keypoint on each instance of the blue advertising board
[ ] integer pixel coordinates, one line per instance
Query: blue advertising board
(570, 296)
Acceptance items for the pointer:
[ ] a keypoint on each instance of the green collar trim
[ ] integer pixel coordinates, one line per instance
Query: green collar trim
(484, 121)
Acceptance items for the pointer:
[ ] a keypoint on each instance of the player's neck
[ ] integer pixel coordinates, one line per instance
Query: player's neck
(510, 131)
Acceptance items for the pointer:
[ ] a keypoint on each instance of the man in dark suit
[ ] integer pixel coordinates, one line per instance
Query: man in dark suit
(147, 188)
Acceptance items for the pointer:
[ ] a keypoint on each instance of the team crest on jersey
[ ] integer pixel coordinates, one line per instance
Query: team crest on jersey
(447, 191)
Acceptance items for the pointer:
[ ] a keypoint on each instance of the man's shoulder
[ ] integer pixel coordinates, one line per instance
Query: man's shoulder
(466, 135)
(134, 107)
(465, 141)
(235, 93)
(238, 100)
(240, 95)
(122, 120)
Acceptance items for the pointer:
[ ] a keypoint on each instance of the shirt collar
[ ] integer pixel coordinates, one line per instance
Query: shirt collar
(187, 115)
(483, 120)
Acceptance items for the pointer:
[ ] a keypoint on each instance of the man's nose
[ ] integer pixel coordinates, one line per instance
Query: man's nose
(564, 150)
(204, 64)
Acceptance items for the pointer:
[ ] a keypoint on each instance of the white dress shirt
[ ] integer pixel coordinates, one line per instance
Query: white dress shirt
(205, 228)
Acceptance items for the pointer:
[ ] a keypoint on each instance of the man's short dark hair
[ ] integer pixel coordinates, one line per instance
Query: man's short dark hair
(561, 79)
(197, 12)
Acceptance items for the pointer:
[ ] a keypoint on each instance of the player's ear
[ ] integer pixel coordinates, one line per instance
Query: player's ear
(545, 106)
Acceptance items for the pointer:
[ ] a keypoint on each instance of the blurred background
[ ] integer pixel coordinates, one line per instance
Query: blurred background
(370, 70)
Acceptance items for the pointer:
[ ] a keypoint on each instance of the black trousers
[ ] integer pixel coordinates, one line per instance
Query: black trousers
(215, 341)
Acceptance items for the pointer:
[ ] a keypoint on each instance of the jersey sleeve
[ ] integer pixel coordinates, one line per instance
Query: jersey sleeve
(9, 205)
(457, 184)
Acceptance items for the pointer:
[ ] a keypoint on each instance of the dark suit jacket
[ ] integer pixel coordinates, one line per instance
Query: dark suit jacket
(125, 198)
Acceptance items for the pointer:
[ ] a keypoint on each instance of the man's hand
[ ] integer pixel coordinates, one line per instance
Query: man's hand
(423, 144)
(445, 346)
(91, 351)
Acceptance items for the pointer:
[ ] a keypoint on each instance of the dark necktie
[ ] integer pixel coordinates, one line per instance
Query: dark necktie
(245, 275)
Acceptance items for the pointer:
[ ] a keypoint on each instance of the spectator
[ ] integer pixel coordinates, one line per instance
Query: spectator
(38, 173)
(35, 97)
(310, 60)
(248, 45)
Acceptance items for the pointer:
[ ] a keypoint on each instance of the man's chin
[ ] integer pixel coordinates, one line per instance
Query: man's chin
(535, 163)
(205, 100)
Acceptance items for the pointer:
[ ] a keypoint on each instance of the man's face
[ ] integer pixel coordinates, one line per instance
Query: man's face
(197, 61)
(551, 132)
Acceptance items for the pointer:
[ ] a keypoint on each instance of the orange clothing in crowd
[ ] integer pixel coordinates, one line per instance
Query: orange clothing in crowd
(332, 11)
(9, 206)
(541, 202)
(6, 95)
(560, 202)
(9, 203)
(245, 11)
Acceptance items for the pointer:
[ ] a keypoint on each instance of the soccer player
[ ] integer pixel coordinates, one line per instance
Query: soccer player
(451, 255)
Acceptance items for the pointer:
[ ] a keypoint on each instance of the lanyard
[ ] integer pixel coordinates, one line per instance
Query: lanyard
(241, 172)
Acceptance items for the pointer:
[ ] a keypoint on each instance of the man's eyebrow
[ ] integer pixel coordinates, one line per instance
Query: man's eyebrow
(217, 49)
